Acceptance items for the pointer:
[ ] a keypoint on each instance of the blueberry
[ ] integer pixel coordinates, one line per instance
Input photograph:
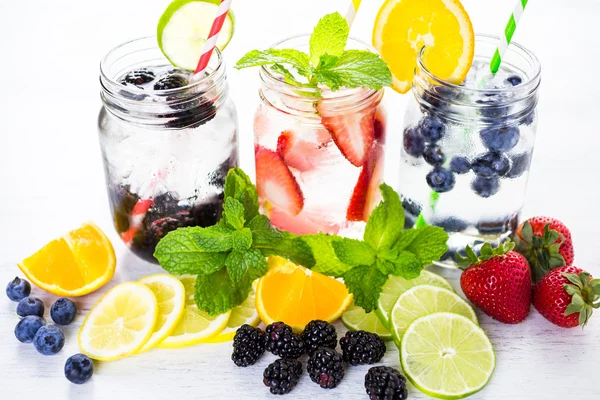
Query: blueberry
(451, 224)
(27, 327)
(30, 306)
(498, 226)
(440, 180)
(79, 369)
(138, 77)
(413, 142)
(18, 289)
(491, 164)
(493, 104)
(409, 221)
(63, 311)
(514, 80)
(431, 128)
(529, 118)
(485, 187)
(460, 165)
(500, 138)
(433, 155)
(170, 82)
(520, 164)
(439, 96)
(411, 207)
(48, 340)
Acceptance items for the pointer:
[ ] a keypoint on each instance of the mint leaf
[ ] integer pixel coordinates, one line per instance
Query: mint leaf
(217, 293)
(233, 213)
(290, 79)
(295, 58)
(427, 243)
(290, 247)
(242, 239)
(326, 261)
(386, 221)
(355, 68)
(365, 283)
(239, 186)
(406, 265)
(250, 263)
(329, 37)
(263, 233)
(353, 252)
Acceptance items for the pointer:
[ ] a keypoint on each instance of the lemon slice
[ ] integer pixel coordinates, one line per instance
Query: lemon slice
(184, 27)
(120, 322)
(403, 27)
(423, 300)
(170, 294)
(396, 285)
(195, 326)
(243, 314)
(356, 319)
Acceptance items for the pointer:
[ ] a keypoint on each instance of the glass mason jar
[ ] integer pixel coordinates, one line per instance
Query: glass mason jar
(166, 152)
(319, 156)
(467, 148)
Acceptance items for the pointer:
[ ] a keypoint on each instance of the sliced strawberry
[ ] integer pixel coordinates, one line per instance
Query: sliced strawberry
(276, 184)
(300, 224)
(352, 132)
(380, 126)
(366, 194)
(298, 153)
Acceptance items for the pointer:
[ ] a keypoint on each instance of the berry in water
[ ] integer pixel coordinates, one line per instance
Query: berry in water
(48, 340)
(139, 77)
(413, 142)
(79, 369)
(30, 306)
(433, 155)
(431, 128)
(283, 342)
(450, 224)
(317, 334)
(486, 187)
(440, 180)
(491, 164)
(326, 368)
(411, 212)
(170, 82)
(385, 383)
(63, 311)
(282, 375)
(361, 347)
(520, 164)
(27, 328)
(248, 345)
(460, 165)
(514, 80)
(500, 139)
(18, 289)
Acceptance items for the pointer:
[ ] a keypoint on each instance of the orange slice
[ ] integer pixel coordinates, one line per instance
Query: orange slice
(73, 265)
(403, 27)
(297, 295)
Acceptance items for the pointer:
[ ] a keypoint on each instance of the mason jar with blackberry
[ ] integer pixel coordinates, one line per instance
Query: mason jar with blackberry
(467, 148)
(167, 142)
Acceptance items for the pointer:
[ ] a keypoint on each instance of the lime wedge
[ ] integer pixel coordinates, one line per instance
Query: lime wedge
(424, 300)
(184, 27)
(396, 285)
(447, 356)
(356, 319)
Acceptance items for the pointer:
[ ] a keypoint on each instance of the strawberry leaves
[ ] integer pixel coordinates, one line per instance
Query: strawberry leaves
(486, 252)
(542, 252)
(585, 295)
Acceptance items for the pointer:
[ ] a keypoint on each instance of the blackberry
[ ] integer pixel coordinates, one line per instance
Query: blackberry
(139, 77)
(192, 115)
(283, 342)
(170, 82)
(248, 345)
(326, 367)
(361, 347)
(385, 383)
(282, 375)
(319, 334)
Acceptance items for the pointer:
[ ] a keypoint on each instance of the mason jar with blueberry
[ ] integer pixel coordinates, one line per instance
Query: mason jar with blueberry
(467, 148)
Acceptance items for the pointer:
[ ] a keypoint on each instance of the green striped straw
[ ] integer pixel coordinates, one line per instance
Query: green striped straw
(509, 31)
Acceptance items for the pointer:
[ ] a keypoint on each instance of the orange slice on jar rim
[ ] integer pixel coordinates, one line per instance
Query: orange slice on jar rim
(403, 27)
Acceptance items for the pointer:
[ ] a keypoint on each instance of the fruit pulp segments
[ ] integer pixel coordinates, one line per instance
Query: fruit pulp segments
(330, 192)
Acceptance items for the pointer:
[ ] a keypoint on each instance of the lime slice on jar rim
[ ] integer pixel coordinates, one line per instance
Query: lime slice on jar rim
(184, 27)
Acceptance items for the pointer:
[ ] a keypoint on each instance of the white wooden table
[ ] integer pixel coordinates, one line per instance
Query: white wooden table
(52, 180)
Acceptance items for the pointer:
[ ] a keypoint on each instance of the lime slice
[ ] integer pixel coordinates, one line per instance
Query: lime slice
(396, 285)
(184, 27)
(356, 319)
(245, 313)
(447, 356)
(424, 300)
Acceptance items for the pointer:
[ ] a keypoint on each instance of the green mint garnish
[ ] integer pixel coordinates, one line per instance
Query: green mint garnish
(328, 63)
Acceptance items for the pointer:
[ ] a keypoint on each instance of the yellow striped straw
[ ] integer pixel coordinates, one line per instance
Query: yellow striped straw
(352, 11)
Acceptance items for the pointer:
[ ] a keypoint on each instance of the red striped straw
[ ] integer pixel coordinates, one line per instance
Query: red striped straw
(211, 42)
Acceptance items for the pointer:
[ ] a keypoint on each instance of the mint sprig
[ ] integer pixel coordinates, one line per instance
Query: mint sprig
(328, 63)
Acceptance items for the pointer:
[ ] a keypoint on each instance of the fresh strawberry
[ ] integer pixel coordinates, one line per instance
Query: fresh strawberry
(352, 132)
(380, 127)
(498, 282)
(546, 243)
(300, 224)
(298, 153)
(567, 296)
(366, 191)
(275, 182)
